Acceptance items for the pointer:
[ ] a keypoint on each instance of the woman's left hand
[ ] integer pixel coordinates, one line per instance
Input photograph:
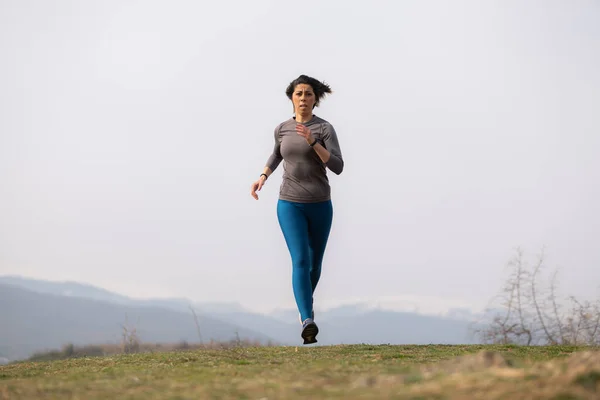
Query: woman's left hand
(305, 133)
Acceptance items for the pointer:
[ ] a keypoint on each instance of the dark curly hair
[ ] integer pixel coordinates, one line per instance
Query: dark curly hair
(320, 88)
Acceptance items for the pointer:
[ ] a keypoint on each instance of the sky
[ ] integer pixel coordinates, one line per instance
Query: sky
(131, 131)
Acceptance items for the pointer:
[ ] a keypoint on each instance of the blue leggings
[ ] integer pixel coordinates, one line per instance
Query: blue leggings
(306, 228)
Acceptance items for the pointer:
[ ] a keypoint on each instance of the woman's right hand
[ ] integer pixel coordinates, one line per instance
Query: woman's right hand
(256, 186)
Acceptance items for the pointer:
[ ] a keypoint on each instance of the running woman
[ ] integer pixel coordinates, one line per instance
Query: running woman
(308, 145)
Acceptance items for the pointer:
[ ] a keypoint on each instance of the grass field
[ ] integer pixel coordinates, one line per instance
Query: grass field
(336, 372)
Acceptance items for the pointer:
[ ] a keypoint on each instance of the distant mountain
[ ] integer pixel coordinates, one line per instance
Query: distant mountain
(352, 324)
(171, 320)
(376, 327)
(81, 290)
(32, 322)
(74, 289)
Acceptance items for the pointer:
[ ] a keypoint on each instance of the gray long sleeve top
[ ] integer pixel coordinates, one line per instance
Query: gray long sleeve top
(305, 176)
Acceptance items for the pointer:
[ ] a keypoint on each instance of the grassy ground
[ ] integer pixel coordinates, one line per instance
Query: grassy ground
(336, 372)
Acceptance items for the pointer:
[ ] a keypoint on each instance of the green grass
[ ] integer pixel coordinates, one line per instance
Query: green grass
(333, 372)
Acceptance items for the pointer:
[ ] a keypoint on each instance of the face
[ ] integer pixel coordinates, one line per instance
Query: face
(303, 99)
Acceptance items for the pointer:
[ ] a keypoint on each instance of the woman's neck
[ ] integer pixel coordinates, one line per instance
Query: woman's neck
(303, 118)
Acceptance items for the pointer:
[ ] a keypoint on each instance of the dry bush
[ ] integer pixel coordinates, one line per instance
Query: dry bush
(131, 342)
(530, 313)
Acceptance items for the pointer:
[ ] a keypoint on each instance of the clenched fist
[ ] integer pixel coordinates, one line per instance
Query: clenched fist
(305, 133)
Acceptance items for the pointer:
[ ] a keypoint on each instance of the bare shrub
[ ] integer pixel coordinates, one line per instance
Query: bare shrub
(530, 313)
(69, 350)
(183, 345)
(131, 341)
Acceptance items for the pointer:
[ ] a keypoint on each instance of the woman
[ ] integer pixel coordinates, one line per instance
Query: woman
(308, 145)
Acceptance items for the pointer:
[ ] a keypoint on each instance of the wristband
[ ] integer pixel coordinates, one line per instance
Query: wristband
(266, 177)
(313, 143)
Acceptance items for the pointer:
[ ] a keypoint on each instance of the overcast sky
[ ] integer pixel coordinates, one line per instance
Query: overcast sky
(130, 132)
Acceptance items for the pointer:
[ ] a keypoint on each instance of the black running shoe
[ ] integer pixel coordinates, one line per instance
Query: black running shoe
(309, 331)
